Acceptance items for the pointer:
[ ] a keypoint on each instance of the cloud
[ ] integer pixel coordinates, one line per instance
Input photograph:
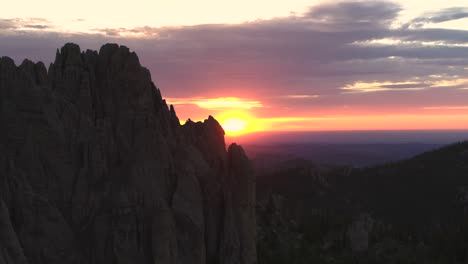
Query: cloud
(442, 36)
(454, 83)
(32, 26)
(366, 87)
(352, 14)
(338, 54)
(109, 31)
(445, 107)
(219, 103)
(302, 96)
(444, 15)
(7, 24)
(145, 32)
(21, 24)
(441, 82)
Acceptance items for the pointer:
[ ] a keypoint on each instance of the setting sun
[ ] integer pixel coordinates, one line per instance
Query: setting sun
(234, 126)
(237, 122)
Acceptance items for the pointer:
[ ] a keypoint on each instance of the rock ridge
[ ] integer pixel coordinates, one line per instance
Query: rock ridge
(96, 168)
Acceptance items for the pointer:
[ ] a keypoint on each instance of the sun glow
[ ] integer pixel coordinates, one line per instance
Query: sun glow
(234, 126)
(237, 123)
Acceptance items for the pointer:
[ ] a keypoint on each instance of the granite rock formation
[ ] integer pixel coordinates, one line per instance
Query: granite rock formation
(96, 168)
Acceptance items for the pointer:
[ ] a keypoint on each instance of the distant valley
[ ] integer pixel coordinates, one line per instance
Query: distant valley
(356, 155)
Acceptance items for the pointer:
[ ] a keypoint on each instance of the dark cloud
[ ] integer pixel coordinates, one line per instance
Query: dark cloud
(404, 86)
(138, 31)
(7, 24)
(352, 14)
(24, 23)
(26, 26)
(440, 16)
(330, 47)
(447, 36)
(109, 31)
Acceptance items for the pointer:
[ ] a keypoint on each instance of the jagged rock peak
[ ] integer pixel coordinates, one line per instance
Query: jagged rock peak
(210, 124)
(7, 61)
(111, 53)
(208, 136)
(96, 168)
(70, 54)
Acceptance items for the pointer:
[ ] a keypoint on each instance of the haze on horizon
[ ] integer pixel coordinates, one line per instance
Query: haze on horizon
(275, 65)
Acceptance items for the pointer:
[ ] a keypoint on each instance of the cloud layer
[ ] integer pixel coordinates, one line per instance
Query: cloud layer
(336, 58)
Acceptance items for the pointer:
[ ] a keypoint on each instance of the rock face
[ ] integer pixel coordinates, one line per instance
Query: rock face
(95, 168)
(359, 232)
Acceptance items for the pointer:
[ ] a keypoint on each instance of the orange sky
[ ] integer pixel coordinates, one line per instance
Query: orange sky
(240, 116)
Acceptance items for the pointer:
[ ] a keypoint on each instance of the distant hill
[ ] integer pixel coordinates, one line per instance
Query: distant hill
(409, 211)
(429, 187)
(353, 154)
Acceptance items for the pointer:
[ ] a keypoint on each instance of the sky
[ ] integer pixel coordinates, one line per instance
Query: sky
(259, 65)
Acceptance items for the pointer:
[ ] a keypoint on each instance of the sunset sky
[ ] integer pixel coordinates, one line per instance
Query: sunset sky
(264, 65)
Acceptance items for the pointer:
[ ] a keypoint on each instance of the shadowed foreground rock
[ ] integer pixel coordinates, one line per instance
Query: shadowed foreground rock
(95, 168)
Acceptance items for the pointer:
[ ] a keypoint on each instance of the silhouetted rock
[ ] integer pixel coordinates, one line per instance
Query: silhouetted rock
(95, 168)
(359, 231)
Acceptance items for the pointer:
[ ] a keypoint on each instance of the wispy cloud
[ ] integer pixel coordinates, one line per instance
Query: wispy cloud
(302, 96)
(357, 14)
(444, 15)
(144, 32)
(24, 24)
(365, 87)
(456, 83)
(447, 107)
(219, 103)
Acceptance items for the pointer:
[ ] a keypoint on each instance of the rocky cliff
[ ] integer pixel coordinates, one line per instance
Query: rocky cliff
(95, 168)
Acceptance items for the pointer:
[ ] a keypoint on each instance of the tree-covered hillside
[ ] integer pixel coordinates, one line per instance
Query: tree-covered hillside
(412, 211)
